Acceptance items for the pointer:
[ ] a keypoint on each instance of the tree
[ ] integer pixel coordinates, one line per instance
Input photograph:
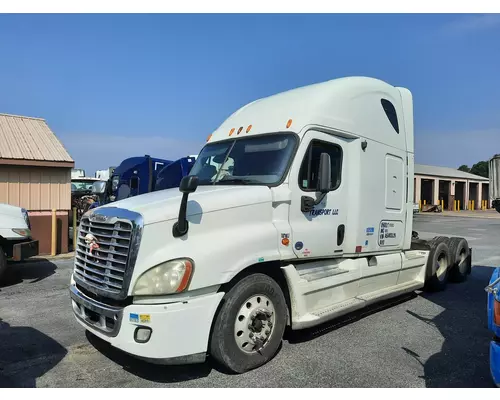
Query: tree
(464, 168)
(481, 168)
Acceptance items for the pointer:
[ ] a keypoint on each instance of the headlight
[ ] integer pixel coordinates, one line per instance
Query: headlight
(167, 278)
(26, 217)
(22, 232)
(114, 183)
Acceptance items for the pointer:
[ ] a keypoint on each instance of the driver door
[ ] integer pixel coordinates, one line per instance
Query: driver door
(319, 232)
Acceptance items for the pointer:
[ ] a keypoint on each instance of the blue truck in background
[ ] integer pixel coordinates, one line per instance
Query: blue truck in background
(144, 174)
(493, 310)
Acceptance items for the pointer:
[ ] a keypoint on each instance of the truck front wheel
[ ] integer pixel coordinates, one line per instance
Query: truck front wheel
(250, 324)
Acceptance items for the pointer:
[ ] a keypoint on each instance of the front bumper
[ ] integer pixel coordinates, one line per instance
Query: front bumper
(179, 331)
(24, 250)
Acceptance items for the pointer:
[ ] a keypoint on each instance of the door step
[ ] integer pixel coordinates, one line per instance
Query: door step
(313, 318)
(323, 271)
(390, 292)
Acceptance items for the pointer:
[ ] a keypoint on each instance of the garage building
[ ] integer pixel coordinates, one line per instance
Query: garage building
(436, 184)
(35, 173)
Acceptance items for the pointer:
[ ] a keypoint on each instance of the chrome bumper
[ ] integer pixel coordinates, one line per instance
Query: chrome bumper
(106, 319)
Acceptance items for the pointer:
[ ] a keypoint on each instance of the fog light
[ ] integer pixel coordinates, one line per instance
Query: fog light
(142, 334)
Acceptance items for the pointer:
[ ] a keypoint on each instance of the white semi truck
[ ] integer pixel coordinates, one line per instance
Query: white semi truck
(16, 242)
(311, 220)
(494, 169)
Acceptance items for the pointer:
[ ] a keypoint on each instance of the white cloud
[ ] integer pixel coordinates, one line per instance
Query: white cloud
(472, 23)
(93, 151)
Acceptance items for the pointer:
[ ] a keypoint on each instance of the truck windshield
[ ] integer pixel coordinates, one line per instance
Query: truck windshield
(81, 186)
(257, 160)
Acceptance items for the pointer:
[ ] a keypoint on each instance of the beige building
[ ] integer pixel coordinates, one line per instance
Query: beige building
(35, 173)
(436, 184)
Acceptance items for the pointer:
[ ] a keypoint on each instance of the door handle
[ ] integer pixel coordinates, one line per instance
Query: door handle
(340, 234)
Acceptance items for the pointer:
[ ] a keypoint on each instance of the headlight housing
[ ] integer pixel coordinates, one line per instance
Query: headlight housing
(22, 232)
(166, 278)
(114, 182)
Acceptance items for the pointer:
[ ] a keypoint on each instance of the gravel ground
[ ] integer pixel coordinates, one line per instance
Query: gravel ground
(421, 340)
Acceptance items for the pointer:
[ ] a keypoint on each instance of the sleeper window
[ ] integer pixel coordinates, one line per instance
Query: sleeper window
(390, 111)
(308, 175)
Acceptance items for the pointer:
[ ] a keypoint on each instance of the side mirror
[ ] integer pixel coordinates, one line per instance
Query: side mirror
(324, 173)
(99, 187)
(188, 184)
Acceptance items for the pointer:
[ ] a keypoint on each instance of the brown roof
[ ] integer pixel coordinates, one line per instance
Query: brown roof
(30, 141)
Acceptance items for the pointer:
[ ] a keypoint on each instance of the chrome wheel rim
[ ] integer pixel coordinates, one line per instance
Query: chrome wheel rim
(462, 264)
(254, 324)
(442, 266)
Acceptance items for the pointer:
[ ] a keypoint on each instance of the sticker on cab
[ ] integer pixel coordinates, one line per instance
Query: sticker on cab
(134, 317)
(145, 318)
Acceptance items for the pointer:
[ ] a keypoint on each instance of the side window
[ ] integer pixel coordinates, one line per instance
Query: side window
(308, 175)
(390, 111)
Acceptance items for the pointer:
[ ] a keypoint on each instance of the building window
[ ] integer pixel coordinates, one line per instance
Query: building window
(308, 175)
(390, 111)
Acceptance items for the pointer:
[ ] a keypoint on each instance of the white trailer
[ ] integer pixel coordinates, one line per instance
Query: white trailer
(494, 169)
(77, 173)
(312, 220)
(104, 174)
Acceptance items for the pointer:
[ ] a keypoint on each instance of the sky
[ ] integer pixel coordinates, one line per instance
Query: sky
(113, 86)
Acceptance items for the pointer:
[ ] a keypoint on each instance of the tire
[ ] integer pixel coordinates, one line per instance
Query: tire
(439, 239)
(460, 261)
(3, 263)
(438, 265)
(242, 307)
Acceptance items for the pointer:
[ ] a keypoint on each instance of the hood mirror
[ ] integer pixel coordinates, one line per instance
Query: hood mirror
(188, 185)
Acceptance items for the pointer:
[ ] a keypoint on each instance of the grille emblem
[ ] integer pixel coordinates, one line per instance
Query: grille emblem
(92, 242)
(98, 218)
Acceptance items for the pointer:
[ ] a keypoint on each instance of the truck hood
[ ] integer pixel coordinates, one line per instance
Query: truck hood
(11, 217)
(164, 204)
(11, 211)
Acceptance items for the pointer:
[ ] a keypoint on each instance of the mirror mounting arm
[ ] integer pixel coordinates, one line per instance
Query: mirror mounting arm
(181, 226)
(308, 203)
(188, 185)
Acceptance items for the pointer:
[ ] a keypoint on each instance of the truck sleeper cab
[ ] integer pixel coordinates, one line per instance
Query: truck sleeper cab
(297, 210)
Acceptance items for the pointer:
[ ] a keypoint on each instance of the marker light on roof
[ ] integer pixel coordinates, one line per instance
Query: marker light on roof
(208, 138)
(239, 130)
(249, 127)
(289, 123)
(231, 131)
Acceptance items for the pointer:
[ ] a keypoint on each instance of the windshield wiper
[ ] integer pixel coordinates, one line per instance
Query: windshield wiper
(243, 181)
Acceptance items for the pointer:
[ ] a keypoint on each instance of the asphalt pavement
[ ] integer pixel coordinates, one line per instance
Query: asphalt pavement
(421, 340)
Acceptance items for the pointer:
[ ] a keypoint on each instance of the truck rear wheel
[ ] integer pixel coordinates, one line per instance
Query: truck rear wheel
(3, 263)
(460, 262)
(438, 264)
(249, 327)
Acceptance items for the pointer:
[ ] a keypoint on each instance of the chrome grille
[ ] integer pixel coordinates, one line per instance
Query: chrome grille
(106, 270)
